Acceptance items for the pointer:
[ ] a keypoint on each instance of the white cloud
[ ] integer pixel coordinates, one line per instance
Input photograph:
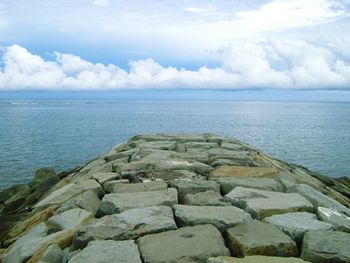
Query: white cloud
(267, 64)
(102, 2)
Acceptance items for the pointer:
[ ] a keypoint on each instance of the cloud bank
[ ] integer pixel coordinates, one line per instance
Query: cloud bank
(266, 64)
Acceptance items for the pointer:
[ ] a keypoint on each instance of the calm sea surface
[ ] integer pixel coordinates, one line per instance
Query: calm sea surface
(64, 134)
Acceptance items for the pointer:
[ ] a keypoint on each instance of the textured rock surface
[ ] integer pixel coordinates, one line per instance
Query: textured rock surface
(187, 244)
(124, 205)
(326, 246)
(257, 238)
(221, 217)
(260, 203)
(114, 203)
(108, 251)
(296, 224)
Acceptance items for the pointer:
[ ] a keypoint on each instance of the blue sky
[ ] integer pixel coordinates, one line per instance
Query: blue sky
(184, 44)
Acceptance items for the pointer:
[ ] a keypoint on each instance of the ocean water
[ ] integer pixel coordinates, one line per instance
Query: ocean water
(67, 133)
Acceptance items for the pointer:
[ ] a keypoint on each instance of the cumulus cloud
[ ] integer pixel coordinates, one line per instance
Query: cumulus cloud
(266, 64)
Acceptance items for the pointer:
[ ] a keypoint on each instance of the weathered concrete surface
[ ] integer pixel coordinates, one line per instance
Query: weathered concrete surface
(108, 251)
(129, 224)
(326, 246)
(187, 244)
(296, 224)
(257, 238)
(261, 203)
(114, 203)
(221, 217)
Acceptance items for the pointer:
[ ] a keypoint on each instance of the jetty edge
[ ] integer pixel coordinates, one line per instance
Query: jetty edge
(177, 198)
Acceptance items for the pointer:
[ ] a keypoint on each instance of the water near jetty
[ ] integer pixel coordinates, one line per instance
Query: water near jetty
(64, 134)
(177, 198)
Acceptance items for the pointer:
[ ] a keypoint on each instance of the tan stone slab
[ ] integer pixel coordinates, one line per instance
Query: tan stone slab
(243, 171)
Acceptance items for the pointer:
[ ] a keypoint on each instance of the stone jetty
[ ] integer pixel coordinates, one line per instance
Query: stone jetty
(177, 198)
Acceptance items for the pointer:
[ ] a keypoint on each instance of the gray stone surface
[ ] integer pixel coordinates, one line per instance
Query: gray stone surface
(261, 203)
(138, 187)
(53, 254)
(160, 145)
(326, 246)
(257, 238)
(108, 186)
(228, 184)
(340, 221)
(129, 224)
(296, 224)
(187, 244)
(207, 198)
(185, 187)
(71, 218)
(319, 199)
(115, 203)
(221, 217)
(87, 200)
(255, 259)
(102, 178)
(106, 251)
(44, 174)
(242, 171)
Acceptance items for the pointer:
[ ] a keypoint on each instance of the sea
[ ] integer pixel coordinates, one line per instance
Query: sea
(66, 133)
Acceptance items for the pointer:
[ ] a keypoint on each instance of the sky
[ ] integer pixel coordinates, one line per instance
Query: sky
(108, 45)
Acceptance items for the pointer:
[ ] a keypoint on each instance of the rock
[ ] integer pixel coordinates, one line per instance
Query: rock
(261, 203)
(70, 190)
(326, 246)
(175, 174)
(201, 145)
(43, 175)
(13, 190)
(71, 218)
(207, 198)
(115, 203)
(243, 171)
(232, 146)
(255, 259)
(107, 186)
(187, 244)
(138, 187)
(87, 200)
(296, 224)
(153, 155)
(145, 167)
(319, 199)
(339, 221)
(129, 224)
(221, 217)
(35, 242)
(201, 157)
(189, 137)
(119, 155)
(215, 162)
(185, 187)
(102, 178)
(53, 254)
(257, 238)
(15, 201)
(159, 145)
(103, 251)
(227, 184)
(287, 180)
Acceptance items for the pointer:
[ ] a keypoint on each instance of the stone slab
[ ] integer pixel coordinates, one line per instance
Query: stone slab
(339, 221)
(70, 219)
(257, 238)
(243, 171)
(185, 187)
(187, 244)
(255, 259)
(116, 203)
(261, 203)
(207, 198)
(102, 178)
(138, 187)
(222, 217)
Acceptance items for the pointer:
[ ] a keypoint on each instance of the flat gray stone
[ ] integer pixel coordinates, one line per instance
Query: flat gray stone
(185, 187)
(159, 145)
(104, 251)
(129, 224)
(319, 199)
(119, 155)
(339, 221)
(232, 146)
(102, 178)
(116, 203)
(150, 154)
(187, 244)
(145, 167)
(255, 259)
(297, 224)
(138, 187)
(257, 238)
(201, 145)
(71, 218)
(221, 217)
(53, 254)
(107, 187)
(261, 203)
(87, 200)
(207, 198)
(228, 184)
(326, 246)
